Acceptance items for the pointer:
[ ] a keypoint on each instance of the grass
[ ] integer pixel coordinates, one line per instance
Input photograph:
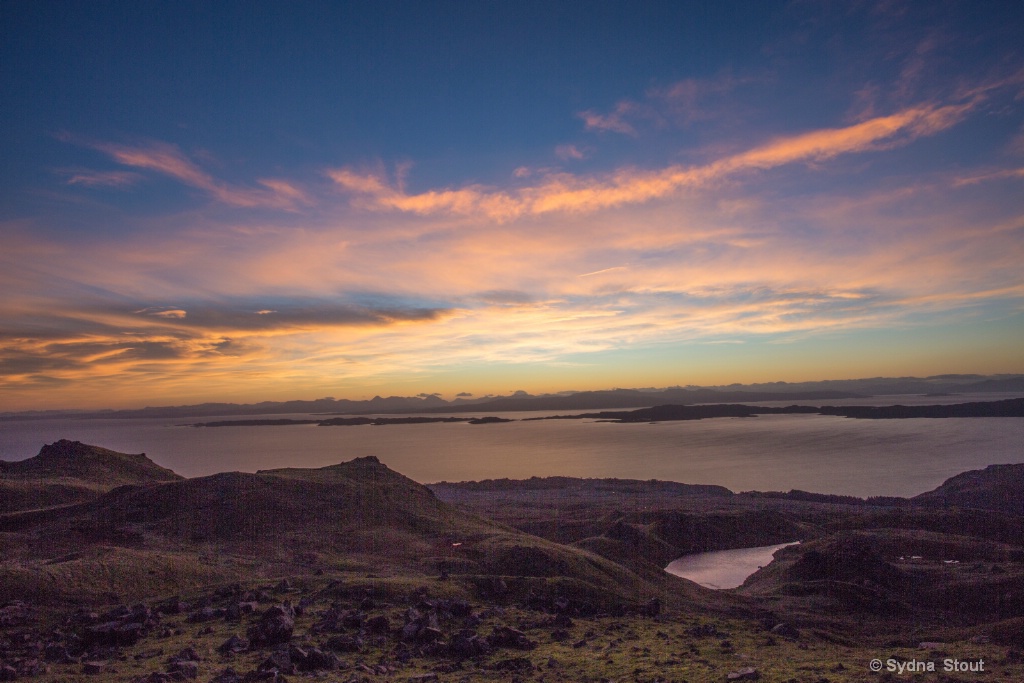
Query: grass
(101, 575)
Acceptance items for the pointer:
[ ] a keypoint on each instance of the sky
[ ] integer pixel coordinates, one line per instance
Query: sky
(246, 201)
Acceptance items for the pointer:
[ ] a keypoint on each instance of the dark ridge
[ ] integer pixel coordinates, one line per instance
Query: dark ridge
(354, 514)
(1011, 407)
(615, 485)
(829, 498)
(253, 423)
(994, 385)
(348, 421)
(490, 419)
(615, 398)
(629, 398)
(997, 487)
(359, 495)
(73, 459)
(68, 472)
(378, 421)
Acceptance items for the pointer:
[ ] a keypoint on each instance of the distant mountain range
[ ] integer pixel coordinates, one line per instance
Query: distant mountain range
(579, 400)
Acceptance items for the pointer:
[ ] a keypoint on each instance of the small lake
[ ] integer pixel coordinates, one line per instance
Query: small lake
(723, 568)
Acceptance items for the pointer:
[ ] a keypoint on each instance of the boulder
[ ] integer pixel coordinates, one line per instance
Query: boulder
(94, 668)
(280, 661)
(466, 643)
(233, 644)
(55, 652)
(345, 644)
(228, 675)
(188, 654)
(378, 624)
(275, 626)
(518, 664)
(114, 633)
(313, 659)
(155, 677)
(504, 636)
(183, 669)
(14, 613)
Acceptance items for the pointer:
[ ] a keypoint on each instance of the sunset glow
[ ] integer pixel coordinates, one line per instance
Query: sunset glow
(266, 201)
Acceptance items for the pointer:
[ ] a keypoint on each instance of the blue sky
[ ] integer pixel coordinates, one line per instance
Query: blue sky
(248, 201)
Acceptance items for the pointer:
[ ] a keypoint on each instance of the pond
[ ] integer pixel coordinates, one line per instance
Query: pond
(723, 568)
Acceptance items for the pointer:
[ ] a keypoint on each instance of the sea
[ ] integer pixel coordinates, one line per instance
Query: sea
(817, 453)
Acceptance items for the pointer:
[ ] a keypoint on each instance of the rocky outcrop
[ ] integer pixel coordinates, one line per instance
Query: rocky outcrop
(997, 487)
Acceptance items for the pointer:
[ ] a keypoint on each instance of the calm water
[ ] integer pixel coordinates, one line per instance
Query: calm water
(772, 452)
(723, 568)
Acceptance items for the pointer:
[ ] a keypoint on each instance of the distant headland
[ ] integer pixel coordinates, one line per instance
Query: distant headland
(611, 399)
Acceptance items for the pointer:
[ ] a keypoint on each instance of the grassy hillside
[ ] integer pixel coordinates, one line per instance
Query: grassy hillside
(376, 577)
(997, 487)
(72, 472)
(76, 460)
(353, 516)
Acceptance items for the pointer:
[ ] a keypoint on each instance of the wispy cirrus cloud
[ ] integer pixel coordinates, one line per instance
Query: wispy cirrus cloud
(88, 178)
(679, 104)
(878, 133)
(169, 160)
(571, 152)
(1006, 173)
(615, 121)
(563, 192)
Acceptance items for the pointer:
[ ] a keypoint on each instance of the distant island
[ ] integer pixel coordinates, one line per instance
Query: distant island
(1011, 407)
(611, 399)
(350, 421)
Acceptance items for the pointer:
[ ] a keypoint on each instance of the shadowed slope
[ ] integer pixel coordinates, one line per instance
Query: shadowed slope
(70, 472)
(997, 487)
(331, 507)
(354, 516)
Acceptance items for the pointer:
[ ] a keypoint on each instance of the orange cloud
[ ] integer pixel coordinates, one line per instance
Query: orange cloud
(615, 122)
(985, 177)
(170, 161)
(568, 193)
(602, 271)
(881, 132)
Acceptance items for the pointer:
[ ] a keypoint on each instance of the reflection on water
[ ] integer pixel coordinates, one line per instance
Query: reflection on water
(723, 568)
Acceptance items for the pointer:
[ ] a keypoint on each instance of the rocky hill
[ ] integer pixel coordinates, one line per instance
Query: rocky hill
(357, 515)
(955, 556)
(997, 487)
(70, 472)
